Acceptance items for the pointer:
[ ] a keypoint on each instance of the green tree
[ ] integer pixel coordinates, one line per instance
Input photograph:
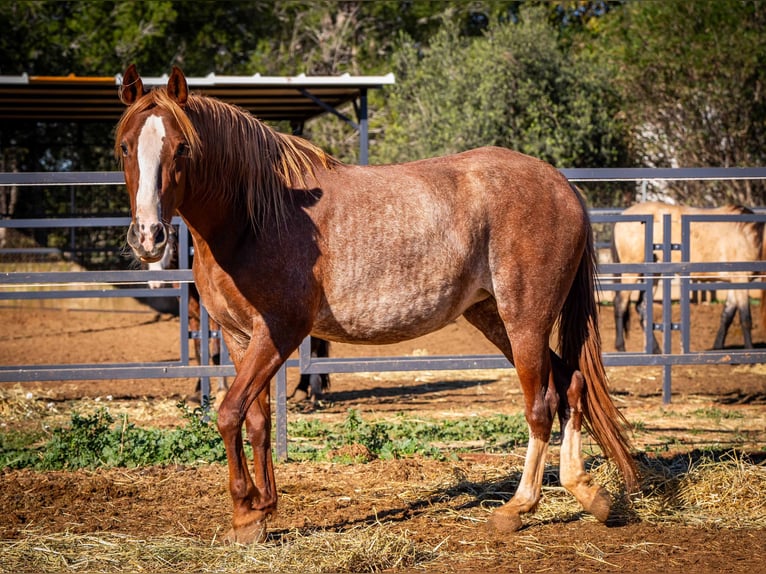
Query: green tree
(513, 86)
(692, 77)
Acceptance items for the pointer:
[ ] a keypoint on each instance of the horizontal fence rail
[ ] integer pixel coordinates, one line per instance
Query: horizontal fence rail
(134, 283)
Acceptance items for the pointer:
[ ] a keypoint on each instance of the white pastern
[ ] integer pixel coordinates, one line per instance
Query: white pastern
(572, 465)
(150, 142)
(528, 492)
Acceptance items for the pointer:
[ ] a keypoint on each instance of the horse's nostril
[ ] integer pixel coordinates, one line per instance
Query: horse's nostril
(133, 238)
(160, 237)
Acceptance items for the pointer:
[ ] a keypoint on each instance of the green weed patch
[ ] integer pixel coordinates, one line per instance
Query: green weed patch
(96, 440)
(100, 439)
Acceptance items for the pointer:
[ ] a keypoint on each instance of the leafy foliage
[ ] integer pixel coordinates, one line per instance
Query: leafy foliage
(404, 436)
(92, 441)
(691, 77)
(513, 87)
(97, 440)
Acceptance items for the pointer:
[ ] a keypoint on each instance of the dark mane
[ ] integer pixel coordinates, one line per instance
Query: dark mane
(753, 229)
(228, 144)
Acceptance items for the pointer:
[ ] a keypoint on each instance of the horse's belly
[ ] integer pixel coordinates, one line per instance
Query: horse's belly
(391, 317)
(407, 275)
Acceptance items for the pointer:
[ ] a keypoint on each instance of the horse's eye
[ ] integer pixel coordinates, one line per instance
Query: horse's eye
(124, 148)
(182, 150)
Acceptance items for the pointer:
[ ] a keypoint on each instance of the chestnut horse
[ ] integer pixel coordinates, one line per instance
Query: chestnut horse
(710, 241)
(289, 241)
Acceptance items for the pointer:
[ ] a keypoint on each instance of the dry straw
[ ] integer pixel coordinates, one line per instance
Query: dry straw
(700, 489)
(362, 549)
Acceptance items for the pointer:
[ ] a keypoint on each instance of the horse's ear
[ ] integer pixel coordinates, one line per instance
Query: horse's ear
(132, 87)
(177, 88)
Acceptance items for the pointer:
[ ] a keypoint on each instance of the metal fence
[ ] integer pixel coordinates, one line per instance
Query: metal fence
(23, 285)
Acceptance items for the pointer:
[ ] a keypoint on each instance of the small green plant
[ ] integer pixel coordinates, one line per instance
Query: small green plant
(403, 436)
(100, 439)
(83, 444)
(94, 440)
(716, 414)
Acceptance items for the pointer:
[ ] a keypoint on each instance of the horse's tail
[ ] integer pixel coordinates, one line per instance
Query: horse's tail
(580, 345)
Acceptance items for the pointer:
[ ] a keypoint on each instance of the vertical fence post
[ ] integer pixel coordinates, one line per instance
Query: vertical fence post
(648, 285)
(667, 307)
(281, 384)
(183, 302)
(685, 285)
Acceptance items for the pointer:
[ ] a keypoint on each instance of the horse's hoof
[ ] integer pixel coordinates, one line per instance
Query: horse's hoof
(601, 505)
(504, 522)
(253, 533)
(193, 399)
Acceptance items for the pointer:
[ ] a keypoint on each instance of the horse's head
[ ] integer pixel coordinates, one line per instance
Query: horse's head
(155, 140)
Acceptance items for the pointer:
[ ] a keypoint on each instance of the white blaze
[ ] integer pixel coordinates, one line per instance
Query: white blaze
(149, 147)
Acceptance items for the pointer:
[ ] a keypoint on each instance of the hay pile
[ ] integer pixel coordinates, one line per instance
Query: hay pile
(362, 549)
(696, 489)
(724, 490)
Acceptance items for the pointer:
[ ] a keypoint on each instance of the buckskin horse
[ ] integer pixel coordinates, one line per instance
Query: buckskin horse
(709, 241)
(289, 241)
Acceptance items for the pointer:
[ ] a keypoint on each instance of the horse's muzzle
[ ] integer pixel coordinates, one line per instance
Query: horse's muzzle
(148, 244)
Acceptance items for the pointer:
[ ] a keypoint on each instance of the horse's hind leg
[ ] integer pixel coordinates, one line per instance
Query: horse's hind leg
(746, 319)
(736, 299)
(529, 353)
(727, 316)
(621, 318)
(564, 393)
(593, 498)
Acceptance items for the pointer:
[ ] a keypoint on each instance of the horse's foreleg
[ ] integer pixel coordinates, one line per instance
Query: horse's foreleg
(258, 424)
(621, 318)
(742, 298)
(593, 498)
(727, 316)
(254, 502)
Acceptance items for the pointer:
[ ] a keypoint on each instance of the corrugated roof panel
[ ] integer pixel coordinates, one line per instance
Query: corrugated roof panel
(81, 98)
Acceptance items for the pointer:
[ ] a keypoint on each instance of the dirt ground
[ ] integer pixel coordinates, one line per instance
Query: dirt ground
(418, 495)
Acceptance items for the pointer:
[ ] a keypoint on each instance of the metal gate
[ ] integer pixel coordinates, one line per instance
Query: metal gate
(134, 284)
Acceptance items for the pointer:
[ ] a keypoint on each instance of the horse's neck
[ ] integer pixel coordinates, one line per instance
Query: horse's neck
(208, 212)
(214, 227)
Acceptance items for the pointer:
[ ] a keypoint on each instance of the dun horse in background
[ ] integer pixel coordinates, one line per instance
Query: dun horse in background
(727, 241)
(289, 241)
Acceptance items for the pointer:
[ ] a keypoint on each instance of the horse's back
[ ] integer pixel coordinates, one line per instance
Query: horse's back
(709, 241)
(470, 188)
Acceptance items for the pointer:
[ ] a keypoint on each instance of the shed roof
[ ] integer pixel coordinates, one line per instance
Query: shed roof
(84, 98)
